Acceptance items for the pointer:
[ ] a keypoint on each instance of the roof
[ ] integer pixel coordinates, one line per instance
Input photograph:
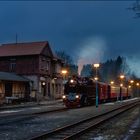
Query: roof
(12, 77)
(17, 49)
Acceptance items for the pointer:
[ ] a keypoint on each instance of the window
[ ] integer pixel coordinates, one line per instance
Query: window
(12, 65)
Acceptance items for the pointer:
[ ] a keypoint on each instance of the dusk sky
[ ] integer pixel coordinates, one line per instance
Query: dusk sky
(90, 32)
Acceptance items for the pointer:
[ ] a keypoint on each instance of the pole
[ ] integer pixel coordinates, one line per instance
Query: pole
(96, 90)
(96, 94)
(117, 96)
(120, 93)
(137, 91)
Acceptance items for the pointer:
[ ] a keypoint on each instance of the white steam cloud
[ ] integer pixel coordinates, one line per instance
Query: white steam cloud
(92, 51)
(134, 64)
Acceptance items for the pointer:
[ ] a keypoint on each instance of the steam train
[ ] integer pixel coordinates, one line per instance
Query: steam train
(83, 92)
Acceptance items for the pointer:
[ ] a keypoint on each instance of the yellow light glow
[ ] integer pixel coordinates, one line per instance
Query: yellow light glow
(64, 96)
(131, 81)
(121, 85)
(64, 71)
(112, 82)
(96, 78)
(96, 65)
(122, 76)
(129, 86)
(137, 84)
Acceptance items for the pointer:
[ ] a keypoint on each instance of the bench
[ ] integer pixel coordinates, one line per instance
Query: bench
(11, 99)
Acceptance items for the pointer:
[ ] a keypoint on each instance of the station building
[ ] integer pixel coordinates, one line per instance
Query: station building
(36, 62)
(13, 87)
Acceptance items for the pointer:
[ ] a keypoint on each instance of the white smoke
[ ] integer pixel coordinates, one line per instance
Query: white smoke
(92, 51)
(134, 64)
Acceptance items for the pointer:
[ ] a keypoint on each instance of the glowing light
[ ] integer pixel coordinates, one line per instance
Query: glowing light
(64, 96)
(71, 81)
(129, 86)
(137, 84)
(96, 78)
(77, 96)
(64, 71)
(96, 65)
(43, 83)
(121, 85)
(122, 76)
(131, 81)
(112, 82)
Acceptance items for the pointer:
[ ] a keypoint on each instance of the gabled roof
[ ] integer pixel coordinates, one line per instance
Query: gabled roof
(18, 49)
(6, 76)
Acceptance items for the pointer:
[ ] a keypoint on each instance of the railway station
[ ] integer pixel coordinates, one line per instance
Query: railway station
(45, 118)
(69, 70)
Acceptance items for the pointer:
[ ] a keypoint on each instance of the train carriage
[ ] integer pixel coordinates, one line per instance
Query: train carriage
(80, 93)
(124, 92)
(114, 93)
(103, 91)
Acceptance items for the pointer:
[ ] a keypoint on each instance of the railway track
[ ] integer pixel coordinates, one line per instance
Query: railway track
(74, 130)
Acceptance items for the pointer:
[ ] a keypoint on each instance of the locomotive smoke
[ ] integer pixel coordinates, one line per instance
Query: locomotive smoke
(133, 64)
(93, 50)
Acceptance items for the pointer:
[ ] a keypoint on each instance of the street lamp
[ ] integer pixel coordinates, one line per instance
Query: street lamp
(132, 82)
(64, 72)
(137, 84)
(122, 76)
(96, 79)
(112, 82)
(121, 85)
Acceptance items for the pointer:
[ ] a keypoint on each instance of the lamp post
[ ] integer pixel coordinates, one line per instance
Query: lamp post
(121, 85)
(112, 82)
(137, 84)
(131, 81)
(64, 72)
(132, 89)
(96, 79)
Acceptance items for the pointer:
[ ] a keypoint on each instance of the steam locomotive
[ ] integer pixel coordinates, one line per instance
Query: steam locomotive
(83, 92)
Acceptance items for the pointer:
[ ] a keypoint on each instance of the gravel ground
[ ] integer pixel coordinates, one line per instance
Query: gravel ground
(23, 129)
(115, 129)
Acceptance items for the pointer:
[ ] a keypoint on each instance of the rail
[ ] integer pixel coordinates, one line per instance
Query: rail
(72, 131)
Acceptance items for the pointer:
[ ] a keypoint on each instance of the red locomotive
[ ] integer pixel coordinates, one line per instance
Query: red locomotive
(83, 92)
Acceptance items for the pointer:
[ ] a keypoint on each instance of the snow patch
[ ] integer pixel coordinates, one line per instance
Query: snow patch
(97, 138)
(10, 111)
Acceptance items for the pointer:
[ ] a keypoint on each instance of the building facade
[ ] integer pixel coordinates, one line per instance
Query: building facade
(13, 88)
(34, 61)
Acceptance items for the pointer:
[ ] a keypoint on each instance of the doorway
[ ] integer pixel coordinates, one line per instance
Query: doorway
(8, 89)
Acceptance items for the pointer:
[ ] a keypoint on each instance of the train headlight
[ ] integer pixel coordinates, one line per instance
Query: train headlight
(64, 97)
(71, 81)
(77, 96)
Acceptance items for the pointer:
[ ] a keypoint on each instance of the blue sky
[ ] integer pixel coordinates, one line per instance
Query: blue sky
(89, 31)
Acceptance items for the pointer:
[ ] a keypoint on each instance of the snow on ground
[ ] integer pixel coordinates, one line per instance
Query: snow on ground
(109, 103)
(97, 138)
(129, 99)
(10, 111)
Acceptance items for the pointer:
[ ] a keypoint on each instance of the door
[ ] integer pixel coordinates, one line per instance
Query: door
(8, 89)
